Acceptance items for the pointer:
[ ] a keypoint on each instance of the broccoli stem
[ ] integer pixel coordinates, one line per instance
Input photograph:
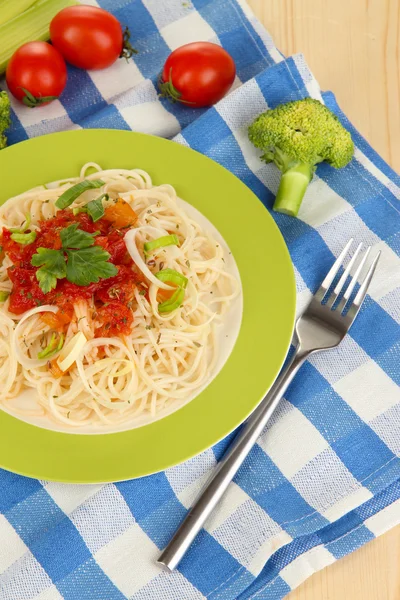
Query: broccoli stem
(292, 188)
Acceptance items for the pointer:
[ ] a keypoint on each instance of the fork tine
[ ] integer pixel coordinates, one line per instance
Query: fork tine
(353, 281)
(344, 277)
(327, 282)
(362, 292)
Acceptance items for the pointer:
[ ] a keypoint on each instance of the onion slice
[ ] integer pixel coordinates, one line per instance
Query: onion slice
(25, 361)
(71, 351)
(130, 241)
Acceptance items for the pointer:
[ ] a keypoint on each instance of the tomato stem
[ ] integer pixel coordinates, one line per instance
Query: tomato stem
(127, 49)
(168, 90)
(32, 101)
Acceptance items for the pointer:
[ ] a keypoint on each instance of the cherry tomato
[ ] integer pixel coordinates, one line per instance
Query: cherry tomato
(36, 74)
(89, 37)
(197, 74)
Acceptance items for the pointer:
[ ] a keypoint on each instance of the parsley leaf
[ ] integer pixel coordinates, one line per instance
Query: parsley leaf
(72, 237)
(52, 267)
(47, 281)
(89, 265)
(50, 259)
(79, 260)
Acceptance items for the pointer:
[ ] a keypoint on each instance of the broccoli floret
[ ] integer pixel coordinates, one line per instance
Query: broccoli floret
(297, 136)
(5, 120)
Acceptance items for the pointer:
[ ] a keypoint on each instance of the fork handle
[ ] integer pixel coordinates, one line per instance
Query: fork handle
(229, 465)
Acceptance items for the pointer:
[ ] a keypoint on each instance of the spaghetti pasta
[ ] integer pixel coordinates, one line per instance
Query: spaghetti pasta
(170, 348)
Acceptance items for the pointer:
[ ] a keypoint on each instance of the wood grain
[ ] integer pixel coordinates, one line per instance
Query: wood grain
(353, 49)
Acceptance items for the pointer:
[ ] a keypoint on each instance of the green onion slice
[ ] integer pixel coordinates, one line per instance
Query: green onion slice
(24, 238)
(23, 227)
(4, 296)
(172, 276)
(53, 347)
(172, 303)
(72, 193)
(95, 208)
(78, 210)
(165, 240)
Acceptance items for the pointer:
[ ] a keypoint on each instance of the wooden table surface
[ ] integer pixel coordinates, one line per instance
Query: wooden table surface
(353, 49)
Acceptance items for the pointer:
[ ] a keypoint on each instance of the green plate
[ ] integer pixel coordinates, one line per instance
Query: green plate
(268, 295)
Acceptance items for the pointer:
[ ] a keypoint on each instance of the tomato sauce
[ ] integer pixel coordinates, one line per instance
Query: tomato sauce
(112, 296)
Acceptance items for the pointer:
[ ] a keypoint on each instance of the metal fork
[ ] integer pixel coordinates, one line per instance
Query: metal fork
(321, 326)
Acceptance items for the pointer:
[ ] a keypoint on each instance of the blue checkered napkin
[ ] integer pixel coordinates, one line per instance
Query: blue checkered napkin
(325, 477)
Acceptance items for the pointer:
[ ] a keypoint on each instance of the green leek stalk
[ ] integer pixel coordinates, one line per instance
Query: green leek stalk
(172, 276)
(31, 25)
(12, 8)
(72, 193)
(173, 303)
(165, 240)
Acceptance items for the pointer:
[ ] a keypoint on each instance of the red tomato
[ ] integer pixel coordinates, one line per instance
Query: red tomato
(89, 37)
(112, 296)
(115, 319)
(197, 74)
(36, 74)
(26, 293)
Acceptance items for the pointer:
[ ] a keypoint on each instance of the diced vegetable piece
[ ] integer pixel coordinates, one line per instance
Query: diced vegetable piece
(71, 351)
(172, 276)
(24, 226)
(95, 208)
(72, 193)
(55, 369)
(4, 296)
(174, 302)
(163, 295)
(32, 24)
(56, 320)
(120, 214)
(52, 347)
(24, 238)
(161, 242)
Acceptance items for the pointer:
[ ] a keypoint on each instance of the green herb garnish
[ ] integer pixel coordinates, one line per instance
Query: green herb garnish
(94, 209)
(79, 260)
(89, 265)
(72, 237)
(24, 226)
(24, 238)
(52, 267)
(172, 303)
(172, 276)
(165, 240)
(72, 193)
(53, 346)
